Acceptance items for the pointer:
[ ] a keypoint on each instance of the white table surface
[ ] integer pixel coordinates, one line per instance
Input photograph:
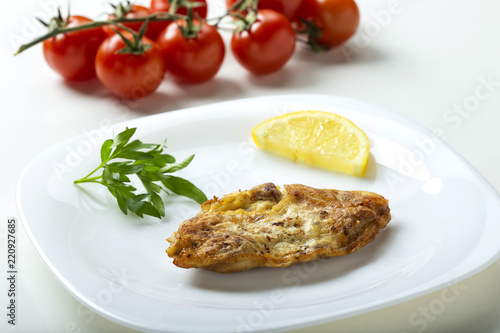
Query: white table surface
(425, 60)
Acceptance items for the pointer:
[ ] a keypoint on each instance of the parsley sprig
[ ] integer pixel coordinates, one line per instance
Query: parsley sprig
(121, 158)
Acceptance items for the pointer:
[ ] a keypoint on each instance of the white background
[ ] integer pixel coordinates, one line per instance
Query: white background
(425, 60)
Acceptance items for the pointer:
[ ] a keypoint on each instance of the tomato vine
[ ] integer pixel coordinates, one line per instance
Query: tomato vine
(264, 37)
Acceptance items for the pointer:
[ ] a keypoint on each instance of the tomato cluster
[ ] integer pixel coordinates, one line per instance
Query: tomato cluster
(132, 59)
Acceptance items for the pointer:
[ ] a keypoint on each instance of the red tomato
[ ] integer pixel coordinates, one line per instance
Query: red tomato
(192, 60)
(230, 3)
(267, 45)
(288, 8)
(72, 54)
(338, 20)
(164, 6)
(136, 11)
(129, 75)
(155, 29)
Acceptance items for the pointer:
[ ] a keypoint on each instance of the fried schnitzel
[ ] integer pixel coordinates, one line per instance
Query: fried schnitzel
(269, 227)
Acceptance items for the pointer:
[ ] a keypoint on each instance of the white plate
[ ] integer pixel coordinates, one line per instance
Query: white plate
(445, 223)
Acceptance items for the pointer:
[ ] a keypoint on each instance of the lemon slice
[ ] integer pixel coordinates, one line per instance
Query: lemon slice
(317, 138)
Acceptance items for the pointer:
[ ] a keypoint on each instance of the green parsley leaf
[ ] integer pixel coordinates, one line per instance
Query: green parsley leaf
(146, 161)
(106, 149)
(178, 166)
(122, 138)
(185, 188)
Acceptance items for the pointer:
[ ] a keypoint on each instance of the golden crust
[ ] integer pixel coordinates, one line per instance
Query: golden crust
(266, 227)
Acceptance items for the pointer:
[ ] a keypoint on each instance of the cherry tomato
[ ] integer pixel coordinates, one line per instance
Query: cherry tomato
(267, 45)
(230, 3)
(192, 60)
(338, 20)
(136, 11)
(288, 8)
(72, 54)
(164, 6)
(128, 75)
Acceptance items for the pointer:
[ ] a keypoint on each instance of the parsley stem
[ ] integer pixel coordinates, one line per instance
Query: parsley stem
(86, 179)
(90, 180)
